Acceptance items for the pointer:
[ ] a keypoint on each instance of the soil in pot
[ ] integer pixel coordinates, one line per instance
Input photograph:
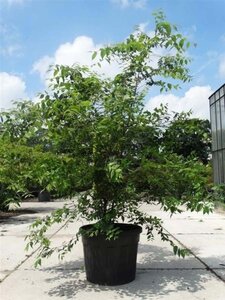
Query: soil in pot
(111, 262)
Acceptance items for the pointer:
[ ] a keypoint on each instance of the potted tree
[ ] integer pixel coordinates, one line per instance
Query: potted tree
(100, 124)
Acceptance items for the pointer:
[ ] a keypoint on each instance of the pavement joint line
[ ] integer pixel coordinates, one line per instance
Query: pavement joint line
(198, 258)
(29, 255)
(182, 269)
(138, 269)
(200, 233)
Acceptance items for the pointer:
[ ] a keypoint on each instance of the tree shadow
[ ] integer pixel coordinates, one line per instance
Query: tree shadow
(155, 257)
(24, 215)
(149, 282)
(19, 219)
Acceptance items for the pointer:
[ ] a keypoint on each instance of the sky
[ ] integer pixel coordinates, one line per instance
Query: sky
(37, 33)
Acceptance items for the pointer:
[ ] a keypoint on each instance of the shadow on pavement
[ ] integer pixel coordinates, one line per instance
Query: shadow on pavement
(149, 282)
(25, 215)
(22, 219)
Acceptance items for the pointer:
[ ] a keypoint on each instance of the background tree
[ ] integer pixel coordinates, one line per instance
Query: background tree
(23, 123)
(189, 137)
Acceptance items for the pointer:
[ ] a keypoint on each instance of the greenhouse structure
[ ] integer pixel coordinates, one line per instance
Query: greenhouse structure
(217, 116)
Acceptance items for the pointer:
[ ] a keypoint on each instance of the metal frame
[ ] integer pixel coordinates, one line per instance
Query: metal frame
(217, 116)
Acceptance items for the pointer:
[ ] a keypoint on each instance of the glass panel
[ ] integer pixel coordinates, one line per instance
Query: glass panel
(211, 100)
(218, 126)
(224, 166)
(222, 108)
(220, 166)
(221, 92)
(215, 168)
(217, 95)
(213, 126)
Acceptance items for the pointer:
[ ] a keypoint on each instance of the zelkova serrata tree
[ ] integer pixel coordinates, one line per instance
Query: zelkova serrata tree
(102, 125)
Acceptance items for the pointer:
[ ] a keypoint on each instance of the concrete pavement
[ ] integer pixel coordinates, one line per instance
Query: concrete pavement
(160, 275)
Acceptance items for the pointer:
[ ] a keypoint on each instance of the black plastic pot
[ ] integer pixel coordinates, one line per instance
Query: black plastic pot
(111, 262)
(44, 196)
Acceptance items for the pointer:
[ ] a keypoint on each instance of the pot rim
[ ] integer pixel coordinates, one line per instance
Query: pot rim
(126, 228)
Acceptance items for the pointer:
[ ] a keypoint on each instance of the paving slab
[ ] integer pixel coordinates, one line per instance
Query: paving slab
(210, 250)
(221, 273)
(160, 274)
(204, 236)
(155, 210)
(13, 232)
(149, 284)
(158, 254)
(195, 226)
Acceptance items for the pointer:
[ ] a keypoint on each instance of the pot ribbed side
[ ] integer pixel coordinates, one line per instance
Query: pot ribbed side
(111, 262)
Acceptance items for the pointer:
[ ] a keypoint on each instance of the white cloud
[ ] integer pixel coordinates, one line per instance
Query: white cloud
(131, 3)
(195, 99)
(11, 50)
(143, 27)
(222, 66)
(12, 87)
(10, 41)
(42, 66)
(79, 51)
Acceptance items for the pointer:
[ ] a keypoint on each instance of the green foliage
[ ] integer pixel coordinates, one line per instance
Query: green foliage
(137, 53)
(24, 168)
(189, 137)
(104, 142)
(22, 123)
(218, 193)
(15, 173)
